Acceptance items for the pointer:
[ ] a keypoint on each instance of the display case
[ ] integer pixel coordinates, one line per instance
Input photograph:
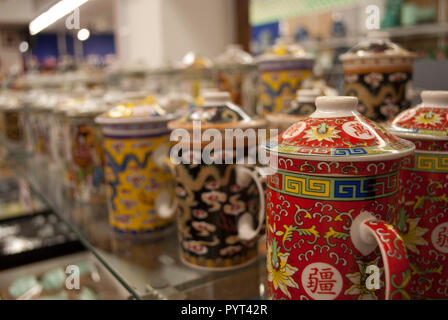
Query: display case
(145, 269)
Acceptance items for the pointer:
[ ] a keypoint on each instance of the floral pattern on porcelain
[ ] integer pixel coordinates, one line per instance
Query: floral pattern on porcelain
(210, 205)
(87, 161)
(344, 136)
(423, 217)
(314, 206)
(311, 255)
(134, 182)
(378, 71)
(423, 120)
(324, 167)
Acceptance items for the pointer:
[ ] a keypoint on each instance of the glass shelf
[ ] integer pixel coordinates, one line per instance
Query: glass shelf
(148, 270)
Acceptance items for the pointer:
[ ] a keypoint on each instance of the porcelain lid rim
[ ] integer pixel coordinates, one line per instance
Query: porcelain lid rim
(391, 155)
(353, 56)
(130, 120)
(422, 136)
(273, 58)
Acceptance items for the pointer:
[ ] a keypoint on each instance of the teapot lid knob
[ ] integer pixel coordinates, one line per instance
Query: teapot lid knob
(332, 107)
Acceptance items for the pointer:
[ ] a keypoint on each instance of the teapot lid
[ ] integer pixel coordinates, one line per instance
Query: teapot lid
(285, 49)
(337, 132)
(218, 112)
(139, 108)
(426, 121)
(377, 45)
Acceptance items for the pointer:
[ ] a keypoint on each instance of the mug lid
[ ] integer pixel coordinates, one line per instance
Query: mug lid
(426, 121)
(285, 49)
(307, 95)
(138, 109)
(337, 132)
(217, 112)
(377, 45)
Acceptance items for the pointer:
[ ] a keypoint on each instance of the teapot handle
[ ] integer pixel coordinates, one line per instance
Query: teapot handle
(246, 230)
(367, 232)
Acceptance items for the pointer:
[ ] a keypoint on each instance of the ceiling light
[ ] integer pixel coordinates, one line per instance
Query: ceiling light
(83, 34)
(56, 12)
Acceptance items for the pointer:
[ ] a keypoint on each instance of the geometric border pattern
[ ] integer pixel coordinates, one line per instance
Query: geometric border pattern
(427, 162)
(334, 188)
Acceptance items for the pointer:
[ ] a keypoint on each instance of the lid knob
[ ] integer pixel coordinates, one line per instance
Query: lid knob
(306, 95)
(439, 98)
(331, 107)
(216, 97)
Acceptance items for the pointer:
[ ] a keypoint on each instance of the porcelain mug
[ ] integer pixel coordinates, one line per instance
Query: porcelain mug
(378, 73)
(423, 216)
(282, 70)
(138, 181)
(214, 203)
(334, 189)
(87, 160)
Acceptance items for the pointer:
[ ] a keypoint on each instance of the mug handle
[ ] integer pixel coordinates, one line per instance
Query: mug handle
(367, 232)
(165, 207)
(245, 226)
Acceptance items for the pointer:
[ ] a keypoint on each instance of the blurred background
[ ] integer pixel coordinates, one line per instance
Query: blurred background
(138, 35)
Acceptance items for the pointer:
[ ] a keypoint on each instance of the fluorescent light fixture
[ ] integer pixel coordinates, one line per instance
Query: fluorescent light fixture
(83, 34)
(56, 12)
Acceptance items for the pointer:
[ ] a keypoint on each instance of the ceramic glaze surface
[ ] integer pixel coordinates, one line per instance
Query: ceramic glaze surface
(211, 201)
(134, 182)
(346, 134)
(423, 217)
(424, 120)
(87, 160)
(283, 69)
(313, 205)
(136, 137)
(213, 198)
(310, 252)
(423, 220)
(377, 71)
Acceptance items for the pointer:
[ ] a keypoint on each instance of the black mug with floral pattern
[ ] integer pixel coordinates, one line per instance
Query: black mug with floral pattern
(213, 200)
